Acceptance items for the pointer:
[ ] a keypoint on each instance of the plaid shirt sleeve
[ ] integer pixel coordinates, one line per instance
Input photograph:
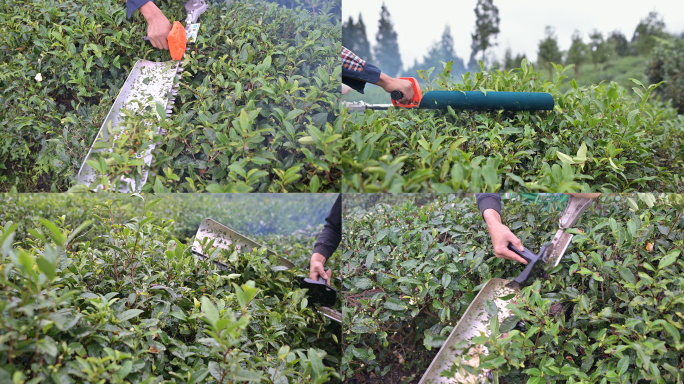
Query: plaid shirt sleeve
(356, 72)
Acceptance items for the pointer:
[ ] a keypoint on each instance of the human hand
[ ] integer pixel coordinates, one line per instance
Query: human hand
(501, 236)
(158, 26)
(390, 84)
(317, 268)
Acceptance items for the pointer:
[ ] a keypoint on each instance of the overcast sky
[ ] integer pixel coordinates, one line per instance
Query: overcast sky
(420, 23)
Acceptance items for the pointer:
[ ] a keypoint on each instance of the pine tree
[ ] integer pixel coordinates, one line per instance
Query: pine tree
(349, 34)
(598, 49)
(363, 49)
(642, 40)
(511, 62)
(577, 54)
(548, 51)
(441, 51)
(486, 28)
(354, 37)
(387, 49)
(619, 43)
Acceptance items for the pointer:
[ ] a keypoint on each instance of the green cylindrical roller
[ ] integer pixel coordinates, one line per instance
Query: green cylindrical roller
(512, 101)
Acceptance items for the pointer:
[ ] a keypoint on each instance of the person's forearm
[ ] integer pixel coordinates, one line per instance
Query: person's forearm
(318, 257)
(492, 218)
(150, 11)
(329, 239)
(384, 80)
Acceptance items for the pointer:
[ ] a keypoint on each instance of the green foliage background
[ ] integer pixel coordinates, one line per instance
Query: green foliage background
(276, 66)
(668, 65)
(598, 137)
(104, 290)
(611, 311)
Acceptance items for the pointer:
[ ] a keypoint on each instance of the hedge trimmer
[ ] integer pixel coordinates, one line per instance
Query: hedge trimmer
(511, 101)
(213, 234)
(476, 319)
(149, 84)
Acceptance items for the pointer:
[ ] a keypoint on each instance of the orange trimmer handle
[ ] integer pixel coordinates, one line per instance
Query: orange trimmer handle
(415, 100)
(177, 41)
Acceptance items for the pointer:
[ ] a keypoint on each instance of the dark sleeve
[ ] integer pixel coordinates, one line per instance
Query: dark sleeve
(133, 5)
(356, 72)
(487, 201)
(330, 237)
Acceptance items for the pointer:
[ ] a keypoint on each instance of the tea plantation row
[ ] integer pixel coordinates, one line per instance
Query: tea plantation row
(119, 298)
(611, 311)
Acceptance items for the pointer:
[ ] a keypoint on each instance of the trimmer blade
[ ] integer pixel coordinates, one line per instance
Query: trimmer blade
(147, 83)
(330, 314)
(560, 243)
(225, 237)
(474, 322)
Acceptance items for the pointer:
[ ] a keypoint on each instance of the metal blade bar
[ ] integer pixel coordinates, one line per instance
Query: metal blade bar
(475, 322)
(362, 107)
(330, 314)
(225, 237)
(147, 84)
(576, 206)
(554, 253)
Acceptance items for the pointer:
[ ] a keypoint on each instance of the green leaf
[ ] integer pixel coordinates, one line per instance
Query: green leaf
(26, 260)
(370, 258)
(564, 158)
(245, 375)
(672, 331)
(315, 184)
(668, 259)
(306, 140)
(623, 365)
(161, 110)
(211, 314)
(395, 304)
(317, 367)
(54, 232)
(582, 153)
(626, 274)
(46, 267)
(129, 314)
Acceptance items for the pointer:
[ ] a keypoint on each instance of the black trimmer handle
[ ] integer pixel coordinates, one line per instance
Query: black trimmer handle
(533, 263)
(319, 291)
(397, 95)
(147, 40)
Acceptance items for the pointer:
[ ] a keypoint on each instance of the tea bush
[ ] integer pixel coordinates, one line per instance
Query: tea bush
(263, 215)
(611, 311)
(134, 305)
(260, 77)
(596, 138)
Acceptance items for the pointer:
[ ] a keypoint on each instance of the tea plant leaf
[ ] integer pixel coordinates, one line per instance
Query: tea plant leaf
(129, 314)
(211, 314)
(46, 267)
(395, 304)
(370, 258)
(422, 292)
(668, 259)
